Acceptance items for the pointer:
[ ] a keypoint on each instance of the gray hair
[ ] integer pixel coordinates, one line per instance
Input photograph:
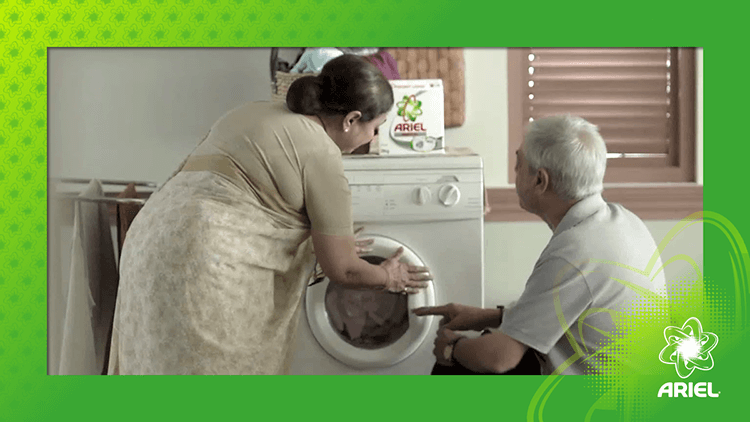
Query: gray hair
(573, 152)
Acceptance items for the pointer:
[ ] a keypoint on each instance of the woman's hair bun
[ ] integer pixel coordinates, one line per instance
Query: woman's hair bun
(345, 84)
(303, 96)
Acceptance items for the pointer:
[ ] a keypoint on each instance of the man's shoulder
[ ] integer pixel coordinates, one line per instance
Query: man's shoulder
(610, 232)
(611, 219)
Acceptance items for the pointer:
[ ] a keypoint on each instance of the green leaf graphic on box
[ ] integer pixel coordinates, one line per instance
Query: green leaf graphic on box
(409, 108)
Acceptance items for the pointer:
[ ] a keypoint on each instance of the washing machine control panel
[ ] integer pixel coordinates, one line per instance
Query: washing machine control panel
(424, 195)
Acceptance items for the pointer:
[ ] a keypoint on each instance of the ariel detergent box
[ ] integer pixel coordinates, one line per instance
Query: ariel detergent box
(415, 124)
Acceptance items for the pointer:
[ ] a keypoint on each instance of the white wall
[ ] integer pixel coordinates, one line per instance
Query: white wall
(511, 249)
(134, 114)
(486, 127)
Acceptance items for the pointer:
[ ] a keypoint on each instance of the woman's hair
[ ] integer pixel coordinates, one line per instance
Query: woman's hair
(573, 152)
(347, 83)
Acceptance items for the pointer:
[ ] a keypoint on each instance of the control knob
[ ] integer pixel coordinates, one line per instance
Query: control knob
(423, 195)
(449, 195)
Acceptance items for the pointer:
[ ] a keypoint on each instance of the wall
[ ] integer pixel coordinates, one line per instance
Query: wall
(135, 113)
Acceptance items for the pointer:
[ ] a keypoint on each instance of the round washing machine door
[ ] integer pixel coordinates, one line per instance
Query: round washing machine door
(365, 328)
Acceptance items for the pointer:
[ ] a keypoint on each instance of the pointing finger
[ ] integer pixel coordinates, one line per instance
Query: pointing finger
(430, 310)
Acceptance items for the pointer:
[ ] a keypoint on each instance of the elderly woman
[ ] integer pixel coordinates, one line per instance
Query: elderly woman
(215, 264)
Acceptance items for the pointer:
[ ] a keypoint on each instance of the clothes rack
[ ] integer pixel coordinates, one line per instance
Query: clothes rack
(81, 334)
(106, 182)
(102, 199)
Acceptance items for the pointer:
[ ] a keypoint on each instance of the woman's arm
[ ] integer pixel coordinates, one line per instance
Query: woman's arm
(338, 259)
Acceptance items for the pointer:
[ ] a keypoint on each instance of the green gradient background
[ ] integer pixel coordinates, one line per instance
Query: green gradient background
(28, 28)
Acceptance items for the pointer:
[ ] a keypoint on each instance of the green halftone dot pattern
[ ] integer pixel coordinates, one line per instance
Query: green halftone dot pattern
(629, 361)
(29, 27)
(27, 30)
(686, 298)
(720, 309)
(632, 352)
(208, 24)
(23, 220)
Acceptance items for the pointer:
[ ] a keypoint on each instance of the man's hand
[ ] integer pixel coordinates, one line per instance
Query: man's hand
(461, 317)
(444, 338)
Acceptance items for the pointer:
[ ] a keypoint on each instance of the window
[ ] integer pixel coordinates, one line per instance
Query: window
(642, 99)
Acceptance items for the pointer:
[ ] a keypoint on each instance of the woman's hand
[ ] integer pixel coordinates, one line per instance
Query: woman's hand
(404, 278)
(459, 317)
(362, 245)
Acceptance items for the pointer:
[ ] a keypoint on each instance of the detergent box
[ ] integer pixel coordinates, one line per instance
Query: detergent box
(416, 123)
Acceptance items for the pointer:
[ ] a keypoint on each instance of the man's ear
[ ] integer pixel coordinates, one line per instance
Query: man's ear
(350, 119)
(542, 180)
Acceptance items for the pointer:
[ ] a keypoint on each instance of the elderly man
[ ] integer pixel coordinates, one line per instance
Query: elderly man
(600, 259)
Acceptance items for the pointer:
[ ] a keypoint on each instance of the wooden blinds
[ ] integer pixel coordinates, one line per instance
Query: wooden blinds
(632, 95)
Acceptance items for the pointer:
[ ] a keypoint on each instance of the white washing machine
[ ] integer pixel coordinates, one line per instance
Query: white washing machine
(433, 207)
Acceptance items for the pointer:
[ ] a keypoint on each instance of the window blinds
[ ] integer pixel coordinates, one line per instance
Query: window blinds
(629, 93)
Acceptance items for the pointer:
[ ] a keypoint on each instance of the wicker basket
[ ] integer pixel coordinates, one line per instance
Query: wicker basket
(283, 81)
(437, 63)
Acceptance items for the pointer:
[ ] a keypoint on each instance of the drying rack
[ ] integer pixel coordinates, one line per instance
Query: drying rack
(66, 203)
(102, 199)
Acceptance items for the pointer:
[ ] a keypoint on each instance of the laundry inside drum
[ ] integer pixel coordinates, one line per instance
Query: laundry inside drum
(367, 319)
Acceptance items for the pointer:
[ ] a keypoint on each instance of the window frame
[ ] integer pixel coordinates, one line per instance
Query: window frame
(654, 193)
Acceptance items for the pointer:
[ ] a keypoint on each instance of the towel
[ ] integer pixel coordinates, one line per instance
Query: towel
(313, 59)
(386, 63)
(91, 288)
(125, 215)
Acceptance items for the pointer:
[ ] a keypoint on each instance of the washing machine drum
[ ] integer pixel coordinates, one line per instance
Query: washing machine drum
(366, 328)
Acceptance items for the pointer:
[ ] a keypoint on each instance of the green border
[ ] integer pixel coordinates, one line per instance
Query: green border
(28, 28)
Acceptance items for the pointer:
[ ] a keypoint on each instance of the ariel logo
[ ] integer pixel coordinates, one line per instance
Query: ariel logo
(409, 108)
(688, 348)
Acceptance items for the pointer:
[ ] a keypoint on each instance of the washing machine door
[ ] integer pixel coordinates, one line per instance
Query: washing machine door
(365, 328)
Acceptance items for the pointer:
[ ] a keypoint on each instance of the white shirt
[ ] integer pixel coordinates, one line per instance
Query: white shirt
(600, 259)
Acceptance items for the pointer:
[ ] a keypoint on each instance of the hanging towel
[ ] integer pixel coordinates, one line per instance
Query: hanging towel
(386, 63)
(56, 290)
(91, 288)
(313, 59)
(125, 215)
